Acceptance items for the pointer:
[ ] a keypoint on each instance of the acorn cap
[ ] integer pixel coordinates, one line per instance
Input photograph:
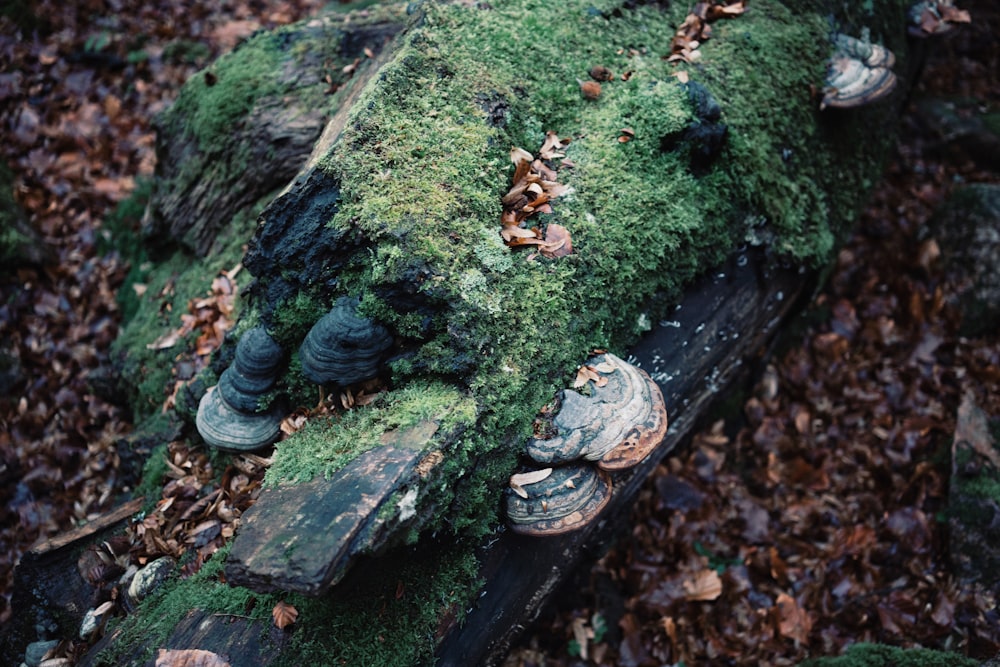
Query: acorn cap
(569, 498)
(617, 426)
(343, 348)
(253, 371)
(221, 425)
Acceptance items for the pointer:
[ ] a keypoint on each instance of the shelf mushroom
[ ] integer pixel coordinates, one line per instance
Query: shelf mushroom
(935, 17)
(231, 414)
(557, 501)
(617, 425)
(343, 347)
(859, 73)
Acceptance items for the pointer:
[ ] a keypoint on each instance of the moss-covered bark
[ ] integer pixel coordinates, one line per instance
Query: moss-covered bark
(403, 212)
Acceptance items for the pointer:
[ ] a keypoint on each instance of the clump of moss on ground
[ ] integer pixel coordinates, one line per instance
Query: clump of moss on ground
(880, 655)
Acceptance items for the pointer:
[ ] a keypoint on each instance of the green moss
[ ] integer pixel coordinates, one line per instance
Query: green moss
(422, 165)
(169, 285)
(154, 473)
(375, 621)
(422, 176)
(326, 444)
(880, 655)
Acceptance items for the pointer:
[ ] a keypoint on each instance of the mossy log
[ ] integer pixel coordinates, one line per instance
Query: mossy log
(722, 179)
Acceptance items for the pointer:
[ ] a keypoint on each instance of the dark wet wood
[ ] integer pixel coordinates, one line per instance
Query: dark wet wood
(199, 192)
(725, 321)
(303, 537)
(49, 589)
(238, 640)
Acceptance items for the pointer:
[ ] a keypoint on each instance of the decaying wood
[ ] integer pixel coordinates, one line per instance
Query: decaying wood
(49, 589)
(279, 134)
(724, 321)
(238, 640)
(303, 537)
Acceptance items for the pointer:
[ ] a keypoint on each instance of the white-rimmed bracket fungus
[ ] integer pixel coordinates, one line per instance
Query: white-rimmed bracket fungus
(343, 347)
(565, 499)
(622, 420)
(858, 73)
(232, 415)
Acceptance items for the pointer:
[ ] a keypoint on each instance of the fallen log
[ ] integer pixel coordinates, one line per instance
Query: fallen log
(404, 223)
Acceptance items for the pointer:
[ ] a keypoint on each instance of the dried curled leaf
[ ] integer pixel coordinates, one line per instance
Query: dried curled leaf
(284, 615)
(587, 373)
(521, 480)
(534, 187)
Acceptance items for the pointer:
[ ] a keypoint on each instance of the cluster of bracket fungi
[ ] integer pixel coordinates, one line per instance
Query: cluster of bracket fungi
(584, 437)
(233, 414)
(342, 348)
(860, 72)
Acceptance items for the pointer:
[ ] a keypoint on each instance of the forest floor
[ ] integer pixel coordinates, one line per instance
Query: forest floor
(808, 522)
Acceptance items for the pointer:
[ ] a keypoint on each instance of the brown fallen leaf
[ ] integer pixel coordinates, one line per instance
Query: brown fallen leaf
(192, 657)
(705, 586)
(284, 615)
(794, 622)
(557, 242)
(521, 480)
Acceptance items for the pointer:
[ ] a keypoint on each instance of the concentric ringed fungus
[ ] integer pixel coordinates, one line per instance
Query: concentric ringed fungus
(221, 425)
(859, 73)
(231, 414)
(617, 425)
(253, 372)
(565, 500)
(343, 347)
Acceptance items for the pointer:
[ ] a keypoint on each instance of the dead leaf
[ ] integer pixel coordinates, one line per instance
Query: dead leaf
(284, 615)
(705, 586)
(793, 621)
(192, 657)
(557, 242)
(520, 480)
(581, 635)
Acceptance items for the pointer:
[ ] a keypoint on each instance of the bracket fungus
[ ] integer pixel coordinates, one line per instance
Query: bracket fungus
(617, 426)
(567, 498)
(859, 73)
(223, 426)
(342, 347)
(230, 414)
(253, 371)
(935, 17)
